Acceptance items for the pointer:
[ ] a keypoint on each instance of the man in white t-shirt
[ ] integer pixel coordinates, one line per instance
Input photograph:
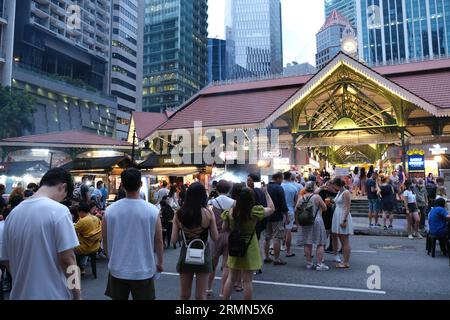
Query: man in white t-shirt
(164, 191)
(132, 234)
(38, 243)
(2, 227)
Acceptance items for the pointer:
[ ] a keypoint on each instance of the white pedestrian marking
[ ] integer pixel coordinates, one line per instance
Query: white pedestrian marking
(363, 251)
(296, 285)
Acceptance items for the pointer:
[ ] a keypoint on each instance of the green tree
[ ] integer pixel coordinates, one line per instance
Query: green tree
(16, 112)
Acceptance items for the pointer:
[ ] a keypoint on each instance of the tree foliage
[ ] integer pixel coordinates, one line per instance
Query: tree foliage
(16, 112)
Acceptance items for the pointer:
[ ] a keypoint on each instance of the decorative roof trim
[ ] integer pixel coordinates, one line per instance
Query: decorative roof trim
(340, 60)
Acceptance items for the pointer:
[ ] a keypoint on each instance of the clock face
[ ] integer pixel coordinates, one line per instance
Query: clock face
(349, 46)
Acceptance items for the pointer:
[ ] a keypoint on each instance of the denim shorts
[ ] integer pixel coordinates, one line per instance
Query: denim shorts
(375, 205)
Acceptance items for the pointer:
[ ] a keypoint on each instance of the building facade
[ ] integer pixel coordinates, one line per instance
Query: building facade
(175, 52)
(329, 38)
(396, 31)
(61, 56)
(298, 69)
(127, 60)
(217, 66)
(346, 7)
(254, 38)
(7, 18)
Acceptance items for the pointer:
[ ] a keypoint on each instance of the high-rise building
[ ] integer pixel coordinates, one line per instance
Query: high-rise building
(61, 56)
(330, 36)
(175, 52)
(346, 7)
(396, 31)
(7, 17)
(217, 67)
(254, 38)
(127, 60)
(298, 69)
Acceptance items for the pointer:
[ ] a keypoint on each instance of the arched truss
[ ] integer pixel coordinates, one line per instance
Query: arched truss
(374, 115)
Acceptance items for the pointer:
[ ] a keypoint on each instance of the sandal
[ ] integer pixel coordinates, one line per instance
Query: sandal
(290, 255)
(279, 262)
(342, 266)
(238, 288)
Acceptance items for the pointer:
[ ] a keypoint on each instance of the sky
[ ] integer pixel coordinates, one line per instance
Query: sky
(301, 21)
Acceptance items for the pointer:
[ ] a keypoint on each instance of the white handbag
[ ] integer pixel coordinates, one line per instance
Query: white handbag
(194, 256)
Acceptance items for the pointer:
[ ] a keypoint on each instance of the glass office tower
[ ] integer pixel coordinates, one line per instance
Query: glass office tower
(397, 31)
(217, 67)
(175, 52)
(254, 38)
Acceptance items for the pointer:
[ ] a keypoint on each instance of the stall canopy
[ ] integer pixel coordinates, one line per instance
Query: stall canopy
(173, 172)
(21, 168)
(160, 161)
(98, 164)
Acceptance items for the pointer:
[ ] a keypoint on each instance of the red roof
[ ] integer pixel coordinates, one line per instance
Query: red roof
(335, 18)
(258, 84)
(147, 122)
(433, 87)
(414, 67)
(69, 137)
(227, 109)
(253, 102)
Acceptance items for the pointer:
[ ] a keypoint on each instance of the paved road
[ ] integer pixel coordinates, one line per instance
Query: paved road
(406, 273)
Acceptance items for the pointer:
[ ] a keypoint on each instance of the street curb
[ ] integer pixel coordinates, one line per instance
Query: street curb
(380, 232)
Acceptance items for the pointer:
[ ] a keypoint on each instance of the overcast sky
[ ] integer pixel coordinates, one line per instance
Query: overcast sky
(301, 21)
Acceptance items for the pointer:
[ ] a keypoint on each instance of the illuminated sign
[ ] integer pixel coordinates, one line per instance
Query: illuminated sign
(167, 161)
(271, 154)
(416, 161)
(438, 150)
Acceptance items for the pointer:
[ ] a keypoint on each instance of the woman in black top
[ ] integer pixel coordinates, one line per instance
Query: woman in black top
(167, 215)
(387, 201)
(194, 220)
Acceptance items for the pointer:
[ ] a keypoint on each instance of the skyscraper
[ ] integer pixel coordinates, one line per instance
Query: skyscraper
(329, 37)
(7, 17)
(217, 67)
(175, 52)
(61, 57)
(346, 7)
(395, 31)
(254, 38)
(126, 60)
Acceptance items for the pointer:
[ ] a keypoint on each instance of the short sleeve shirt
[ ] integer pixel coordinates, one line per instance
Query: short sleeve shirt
(437, 221)
(409, 196)
(371, 194)
(35, 232)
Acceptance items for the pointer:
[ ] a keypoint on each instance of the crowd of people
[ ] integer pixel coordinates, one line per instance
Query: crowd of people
(220, 228)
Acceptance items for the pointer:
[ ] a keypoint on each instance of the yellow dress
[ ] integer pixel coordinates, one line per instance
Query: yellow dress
(89, 232)
(252, 259)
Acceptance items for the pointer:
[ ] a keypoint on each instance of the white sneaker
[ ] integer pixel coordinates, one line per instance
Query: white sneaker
(411, 237)
(283, 248)
(322, 267)
(337, 259)
(309, 266)
(418, 235)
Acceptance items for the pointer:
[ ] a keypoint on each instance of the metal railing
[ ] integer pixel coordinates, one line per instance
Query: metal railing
(59, 79)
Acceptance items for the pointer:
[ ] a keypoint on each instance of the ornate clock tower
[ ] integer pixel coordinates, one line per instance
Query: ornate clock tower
(349, 42)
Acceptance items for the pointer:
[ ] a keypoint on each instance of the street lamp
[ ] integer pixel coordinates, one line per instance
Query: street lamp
(133, 147)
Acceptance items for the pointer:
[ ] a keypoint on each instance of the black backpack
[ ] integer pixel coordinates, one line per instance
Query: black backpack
(304, 213)
(237, 246)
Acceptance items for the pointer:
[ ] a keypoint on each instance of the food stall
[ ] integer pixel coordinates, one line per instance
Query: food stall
(103, 169)
(158, 168)
(21, 173)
